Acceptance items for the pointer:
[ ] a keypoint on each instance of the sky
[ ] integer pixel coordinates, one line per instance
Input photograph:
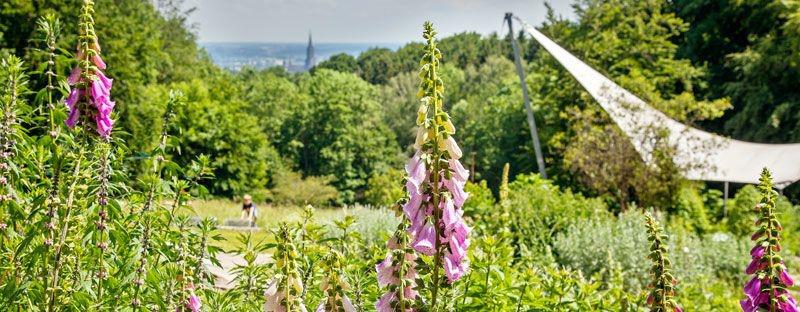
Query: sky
(356, 21)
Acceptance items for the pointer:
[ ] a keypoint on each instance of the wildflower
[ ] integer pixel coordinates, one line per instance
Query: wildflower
(436, 177)
(767, 289)
(662, 289)
(15, 82)
(193, 303)
(334, 286)
(434, 224)
(397, 274)
(89, 101)
(283, 291)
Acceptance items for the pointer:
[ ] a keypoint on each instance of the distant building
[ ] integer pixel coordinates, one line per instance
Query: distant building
(311, 60)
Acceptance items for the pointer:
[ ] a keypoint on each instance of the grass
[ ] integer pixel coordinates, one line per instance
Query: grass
(371, 222)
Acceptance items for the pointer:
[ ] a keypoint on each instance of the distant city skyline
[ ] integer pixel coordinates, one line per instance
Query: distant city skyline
(356, 21)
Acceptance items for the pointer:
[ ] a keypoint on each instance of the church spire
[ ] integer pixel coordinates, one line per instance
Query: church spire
(310, 58)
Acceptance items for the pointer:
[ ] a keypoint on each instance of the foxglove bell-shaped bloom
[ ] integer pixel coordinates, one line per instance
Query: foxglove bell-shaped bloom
(386, 272)
(416, 171)
(193, 303)
(397, 273)
(786, 279)
(753, 288)
(425, 240)
(334, 285)
(384, 304)
(275, 297)
(452, 148)
(454, 268)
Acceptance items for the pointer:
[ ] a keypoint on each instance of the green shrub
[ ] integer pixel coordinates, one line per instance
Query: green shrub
(384, 188)
(540, 210)
(740, 214)
(708, 294)
(496, 283)
(592, 246)
(291, 188)
(480, 207)
(688, 203)
(374, 225)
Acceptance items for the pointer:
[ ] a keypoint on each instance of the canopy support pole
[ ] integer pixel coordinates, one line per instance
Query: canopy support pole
(725, 201)
(526, 99)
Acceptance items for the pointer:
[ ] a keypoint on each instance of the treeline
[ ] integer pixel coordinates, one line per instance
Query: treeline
(341, 130)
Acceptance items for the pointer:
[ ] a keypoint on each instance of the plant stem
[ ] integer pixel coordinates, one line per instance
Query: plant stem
(769, 252)
(64, 230)
(436, 159)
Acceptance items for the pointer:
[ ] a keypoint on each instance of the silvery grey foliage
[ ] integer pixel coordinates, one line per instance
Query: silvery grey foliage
(597, 245)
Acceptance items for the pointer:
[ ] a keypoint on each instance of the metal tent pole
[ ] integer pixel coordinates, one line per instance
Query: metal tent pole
(526, 99)
(725, 201)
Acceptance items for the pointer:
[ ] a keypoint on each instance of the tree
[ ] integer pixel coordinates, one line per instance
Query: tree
(632, 43)
(751, 50)
(339, 132)
(377, 65)
(269, 98)
(490, 112)
(214, 122)
(341, 62)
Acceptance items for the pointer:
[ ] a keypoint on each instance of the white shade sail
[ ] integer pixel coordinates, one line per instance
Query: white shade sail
(705, 156)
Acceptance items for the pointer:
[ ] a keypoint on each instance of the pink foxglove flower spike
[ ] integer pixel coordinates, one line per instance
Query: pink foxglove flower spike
(767, 289)
(662, 287)
(397, 274)
(437, 177)
(435, 187)
(282, 294)
(89, 100)
(334, 286)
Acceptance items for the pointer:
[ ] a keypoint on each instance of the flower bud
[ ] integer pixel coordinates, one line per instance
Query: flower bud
(452, 148)
(448, 126)
(422, 112)
(422, 137)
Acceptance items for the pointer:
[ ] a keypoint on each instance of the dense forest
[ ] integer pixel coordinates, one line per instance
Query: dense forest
(727, 66)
